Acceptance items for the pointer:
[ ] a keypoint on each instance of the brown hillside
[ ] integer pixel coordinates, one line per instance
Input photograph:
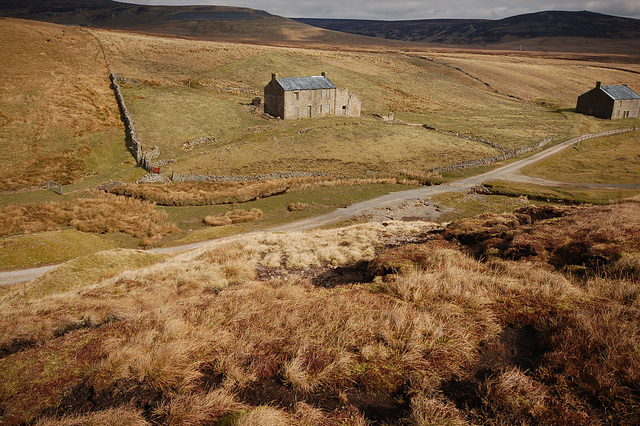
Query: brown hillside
(56, 104)
(199, 22)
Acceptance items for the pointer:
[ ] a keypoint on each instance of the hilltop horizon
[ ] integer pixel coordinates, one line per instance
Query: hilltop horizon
(403, 11)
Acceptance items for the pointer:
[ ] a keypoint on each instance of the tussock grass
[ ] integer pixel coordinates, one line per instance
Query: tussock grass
(297, 207)
(98, 213)
(220, 341)
(233, 216)
(114, 416)
(199, 193)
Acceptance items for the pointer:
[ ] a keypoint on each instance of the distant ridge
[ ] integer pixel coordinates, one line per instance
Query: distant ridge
(485, 32)
(552, 31)
(202, 22)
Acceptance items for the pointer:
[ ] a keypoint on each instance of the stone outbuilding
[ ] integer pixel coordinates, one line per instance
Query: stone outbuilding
(610, 102)
(305, 97)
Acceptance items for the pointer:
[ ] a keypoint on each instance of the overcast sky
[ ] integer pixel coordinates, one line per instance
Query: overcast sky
(416, 9)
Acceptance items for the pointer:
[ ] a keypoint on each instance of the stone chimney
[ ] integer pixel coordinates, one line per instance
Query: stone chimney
(598, 84)
(274, 76)
(324, 74)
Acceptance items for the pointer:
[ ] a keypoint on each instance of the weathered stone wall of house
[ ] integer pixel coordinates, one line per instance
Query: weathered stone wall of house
(628, 106)
(308, 103)
(347, 103)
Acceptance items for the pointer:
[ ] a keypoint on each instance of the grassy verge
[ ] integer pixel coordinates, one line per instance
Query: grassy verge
(563, 195)
(46, 248)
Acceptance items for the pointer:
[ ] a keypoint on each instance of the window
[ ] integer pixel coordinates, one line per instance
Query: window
(328, 94)
(296, 112)
(320, 109)
(310, 94)
(297, 95)
(320, 94)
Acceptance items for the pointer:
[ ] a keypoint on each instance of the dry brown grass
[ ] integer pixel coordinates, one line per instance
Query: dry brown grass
(297, 207)
(595, 239)
(437, 335)
(55, 98)
(111, 417)
(199, 193)
(233, 216)
(99, 213)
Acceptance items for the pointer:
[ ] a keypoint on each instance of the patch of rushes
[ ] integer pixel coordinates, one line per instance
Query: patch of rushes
(97, 213)
(211, 193)
(233, 216)
(608, 160)
(557, 194)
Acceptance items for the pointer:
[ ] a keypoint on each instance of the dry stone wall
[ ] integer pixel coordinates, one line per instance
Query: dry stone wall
(132, 140)
(507, 155)
(177, 177)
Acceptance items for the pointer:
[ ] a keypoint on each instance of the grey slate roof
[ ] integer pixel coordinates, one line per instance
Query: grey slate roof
(620, 92)
(306, 83)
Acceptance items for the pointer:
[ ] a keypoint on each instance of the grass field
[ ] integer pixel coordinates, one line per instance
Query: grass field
(225, 78)
(609, 160)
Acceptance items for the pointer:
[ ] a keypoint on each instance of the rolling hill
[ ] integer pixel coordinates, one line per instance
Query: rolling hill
(542, 31)
(532, 30)
(201, 22)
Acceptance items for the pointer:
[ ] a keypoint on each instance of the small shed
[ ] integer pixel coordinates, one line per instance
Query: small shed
(609, 102)
(305, 97)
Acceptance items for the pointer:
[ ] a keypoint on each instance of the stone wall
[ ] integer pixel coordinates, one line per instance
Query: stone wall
(177, 177)
(506, 155)
(524, 150)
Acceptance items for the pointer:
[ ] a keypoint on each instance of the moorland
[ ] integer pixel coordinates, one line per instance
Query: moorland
(519, 304)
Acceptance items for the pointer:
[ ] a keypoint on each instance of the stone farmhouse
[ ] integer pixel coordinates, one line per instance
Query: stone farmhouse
(610, 102)
(304, 97)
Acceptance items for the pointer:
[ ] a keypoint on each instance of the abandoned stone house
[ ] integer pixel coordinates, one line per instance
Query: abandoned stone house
(303, 97)
(610, 102)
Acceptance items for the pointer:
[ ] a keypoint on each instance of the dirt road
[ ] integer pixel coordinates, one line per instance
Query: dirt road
(508, 172)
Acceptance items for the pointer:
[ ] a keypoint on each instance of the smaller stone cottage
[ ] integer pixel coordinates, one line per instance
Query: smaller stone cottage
(610, 102)
(304, 97)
